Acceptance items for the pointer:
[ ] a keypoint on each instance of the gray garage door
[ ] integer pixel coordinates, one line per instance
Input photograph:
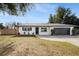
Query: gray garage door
(61, 31)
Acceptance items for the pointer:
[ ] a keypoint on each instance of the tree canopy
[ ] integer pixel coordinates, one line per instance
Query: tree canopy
(15, 8)
(63, 15)
(1, 26)
(51, 18)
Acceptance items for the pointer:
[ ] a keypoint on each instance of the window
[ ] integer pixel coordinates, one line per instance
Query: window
(29, 29)
(43, 29)
(26, 28)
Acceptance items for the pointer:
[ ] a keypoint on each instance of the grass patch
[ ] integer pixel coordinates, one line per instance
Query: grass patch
(31, 45)
(6, 49)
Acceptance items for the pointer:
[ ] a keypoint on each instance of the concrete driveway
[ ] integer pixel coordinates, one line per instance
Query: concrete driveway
(65, 38)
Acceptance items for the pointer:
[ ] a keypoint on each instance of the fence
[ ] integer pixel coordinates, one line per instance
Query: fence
(7, 31)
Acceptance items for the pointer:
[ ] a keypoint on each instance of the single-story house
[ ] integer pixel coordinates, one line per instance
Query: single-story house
(44, 29)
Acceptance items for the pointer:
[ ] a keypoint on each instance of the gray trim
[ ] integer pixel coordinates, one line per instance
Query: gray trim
(45, 25)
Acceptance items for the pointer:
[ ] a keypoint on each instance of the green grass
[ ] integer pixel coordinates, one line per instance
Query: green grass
(31, 45)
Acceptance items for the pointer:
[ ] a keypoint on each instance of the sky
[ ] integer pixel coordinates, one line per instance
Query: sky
(39, 14)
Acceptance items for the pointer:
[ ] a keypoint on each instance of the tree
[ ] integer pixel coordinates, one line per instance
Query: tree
(71, 19)
(50, 18)
(1, 26)
(64, 15)
(77, 21)
(11, 25)
(15, 8)
(60, 13)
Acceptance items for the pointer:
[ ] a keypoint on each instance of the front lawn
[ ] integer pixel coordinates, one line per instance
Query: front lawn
(12, 45)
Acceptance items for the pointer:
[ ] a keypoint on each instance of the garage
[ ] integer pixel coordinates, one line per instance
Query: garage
(61, 31)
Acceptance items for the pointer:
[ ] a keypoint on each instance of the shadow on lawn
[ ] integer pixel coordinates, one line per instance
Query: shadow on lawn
(24, 36)
(6, 49)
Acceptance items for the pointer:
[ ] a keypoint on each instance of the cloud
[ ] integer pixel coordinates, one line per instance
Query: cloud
(45, 8)
(40, 8)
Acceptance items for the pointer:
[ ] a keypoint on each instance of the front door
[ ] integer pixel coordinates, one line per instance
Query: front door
(52, 31)
(37, 30)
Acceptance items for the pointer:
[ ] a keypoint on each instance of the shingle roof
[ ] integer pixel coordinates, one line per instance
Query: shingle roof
(46, 24)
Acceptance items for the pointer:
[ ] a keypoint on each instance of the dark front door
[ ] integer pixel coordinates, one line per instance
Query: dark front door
(52, 31)
(37, 30)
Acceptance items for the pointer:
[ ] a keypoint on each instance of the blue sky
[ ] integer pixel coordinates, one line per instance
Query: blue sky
(39, 14)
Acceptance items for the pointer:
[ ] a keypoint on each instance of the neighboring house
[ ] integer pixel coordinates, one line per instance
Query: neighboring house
(45, 29)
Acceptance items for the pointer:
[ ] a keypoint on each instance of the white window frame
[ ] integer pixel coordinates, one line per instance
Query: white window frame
(43, 29)
(26, 28)
(29, 28)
